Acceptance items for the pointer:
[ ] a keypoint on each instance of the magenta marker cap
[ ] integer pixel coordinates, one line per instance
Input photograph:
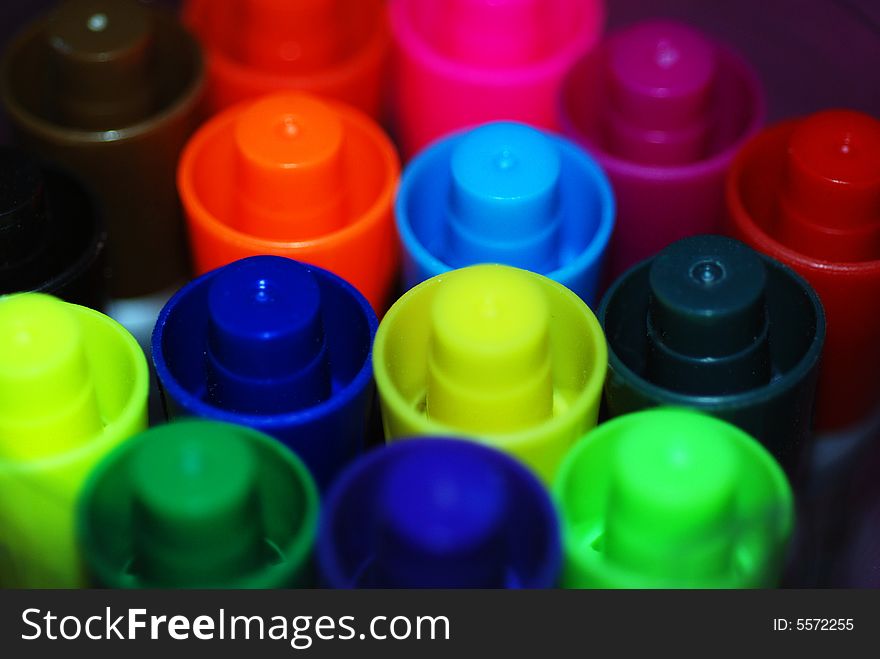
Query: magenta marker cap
(464, 62)
(663, 108)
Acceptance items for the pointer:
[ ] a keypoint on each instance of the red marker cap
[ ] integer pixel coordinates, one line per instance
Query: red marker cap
(807, 192)
(335, 48)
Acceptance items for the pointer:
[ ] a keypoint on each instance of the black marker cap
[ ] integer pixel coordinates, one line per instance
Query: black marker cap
(709, 323)
(51, 237)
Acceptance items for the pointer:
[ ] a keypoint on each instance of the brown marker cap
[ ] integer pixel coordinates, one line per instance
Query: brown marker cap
(108, 89)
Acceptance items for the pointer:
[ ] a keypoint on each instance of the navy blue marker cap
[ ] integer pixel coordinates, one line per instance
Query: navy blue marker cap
(508, 193)
(276, 345)
(51, 237)
(438, 513)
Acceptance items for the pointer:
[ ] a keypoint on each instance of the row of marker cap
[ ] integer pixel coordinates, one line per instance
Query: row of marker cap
(493, 352)
(661, 498)
(661, 109)
(657, 498)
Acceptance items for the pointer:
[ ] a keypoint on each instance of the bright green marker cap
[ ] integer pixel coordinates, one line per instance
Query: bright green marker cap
(670, 498)
(200, 504)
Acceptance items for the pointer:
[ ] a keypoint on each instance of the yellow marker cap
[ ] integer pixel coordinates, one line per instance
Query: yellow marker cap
(489, 359)
(494, 353)
(48, 399)
(73, 385)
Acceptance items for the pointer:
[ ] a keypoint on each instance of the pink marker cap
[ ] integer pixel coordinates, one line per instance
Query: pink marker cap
(465, 62)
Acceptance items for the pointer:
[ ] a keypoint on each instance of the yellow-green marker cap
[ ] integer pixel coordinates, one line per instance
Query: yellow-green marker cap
(73, 385)
(669, 498)
(496, 353)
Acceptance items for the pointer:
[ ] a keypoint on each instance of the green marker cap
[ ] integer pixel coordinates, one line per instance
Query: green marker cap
(669, 498)
(200, 504)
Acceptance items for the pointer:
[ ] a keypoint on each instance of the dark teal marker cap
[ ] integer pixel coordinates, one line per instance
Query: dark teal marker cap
(708, 323)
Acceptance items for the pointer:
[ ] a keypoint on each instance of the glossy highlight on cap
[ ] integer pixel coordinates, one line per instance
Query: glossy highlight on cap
(438, 513)
(73, 386)
(294, 175)
(505, 193)
(671, 498)
(276, 345)
(199, 504)
(806, 191)
(496, 353)
(663, 109)
(465, 62)
(335, 48)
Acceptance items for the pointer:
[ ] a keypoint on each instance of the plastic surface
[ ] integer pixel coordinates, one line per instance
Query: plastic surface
(297, 176)
(505, 193)
(672, 499)
(199, 504)
(108, 89)
(807, 192)
(335, 48)
(499, 354)
(663, 109)
(711, 324)
(51, 237)
(460, 63)
(276, 345)
(73, 386)
(438, 513)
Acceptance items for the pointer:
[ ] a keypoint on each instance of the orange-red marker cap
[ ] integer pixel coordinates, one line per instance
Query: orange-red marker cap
(294, 175)
(335, 48)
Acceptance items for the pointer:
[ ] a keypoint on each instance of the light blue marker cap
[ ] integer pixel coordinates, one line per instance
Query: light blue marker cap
(506, 193)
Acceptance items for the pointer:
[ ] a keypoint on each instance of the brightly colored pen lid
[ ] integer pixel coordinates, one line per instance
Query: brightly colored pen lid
(496, 353)
(51, 236)
(276, 345)
(438, 513)
(807, 192)
(460, 63)
(709, 323)
(671, 498)
(73, 386)
(663, 109)
(199, 504)
(298, 176)
(108, 90)
(335, 48)
(505, 193)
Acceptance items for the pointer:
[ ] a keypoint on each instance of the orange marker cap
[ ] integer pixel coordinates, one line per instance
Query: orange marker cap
(289, 168)
(294, 175)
